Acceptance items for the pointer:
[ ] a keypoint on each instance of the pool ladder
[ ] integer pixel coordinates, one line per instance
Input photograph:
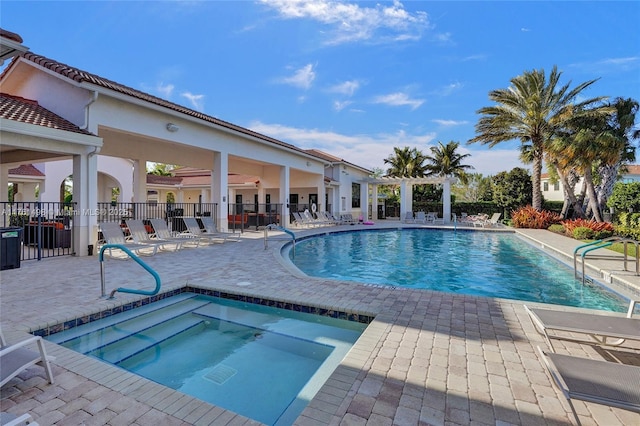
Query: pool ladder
(582, 250)
(279, 228)
(138, 261)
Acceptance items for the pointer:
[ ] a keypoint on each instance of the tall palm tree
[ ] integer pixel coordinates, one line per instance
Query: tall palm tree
(622, 126)
(532, 110)
(445, 161)
(406, 162)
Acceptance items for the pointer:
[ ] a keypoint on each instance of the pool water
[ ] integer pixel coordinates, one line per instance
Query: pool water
(475, 263)
(260, 362)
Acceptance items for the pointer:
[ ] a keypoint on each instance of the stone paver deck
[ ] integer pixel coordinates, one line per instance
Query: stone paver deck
(428, 358)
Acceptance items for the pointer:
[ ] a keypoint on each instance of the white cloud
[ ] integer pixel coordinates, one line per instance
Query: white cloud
(351, 22)
(525, 30)
(197, 101)
(492, 161)
(302, 78)
(398, 99)
(610, 64)
(165, 90)
(450, 123)
(449, 89)
(346, 88)
(368, 151)
(340, 105)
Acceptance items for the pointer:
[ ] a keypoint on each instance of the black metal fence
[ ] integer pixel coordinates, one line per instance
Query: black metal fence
(44, 229)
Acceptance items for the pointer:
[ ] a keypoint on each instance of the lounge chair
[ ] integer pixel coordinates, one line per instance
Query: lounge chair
(493, 220)
(113, 234)
(315, 221)
(210, 227)
(408, 218)
(162, 232)
(421, 217)
(347, 219)
(600, 329)
(140, 235)
(193, 228)
(590, 380)
(298, 220)
(8, 419)
(16, 358)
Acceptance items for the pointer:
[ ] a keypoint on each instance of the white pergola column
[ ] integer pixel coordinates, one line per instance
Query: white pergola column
(321, 194)
(364, 201)
(219, 185)
(446, 201)
(406, 198)
(374, 202)
(285, 220)
(85, 195)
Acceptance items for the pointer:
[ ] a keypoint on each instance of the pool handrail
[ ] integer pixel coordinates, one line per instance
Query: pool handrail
(279, 228)
(138, 261)
(594, 245)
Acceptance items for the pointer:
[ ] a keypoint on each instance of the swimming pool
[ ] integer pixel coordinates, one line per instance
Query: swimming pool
(261, 362)
(467, 262)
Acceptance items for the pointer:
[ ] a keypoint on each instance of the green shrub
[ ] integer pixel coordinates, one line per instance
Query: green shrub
(631, 220)
(557, 228)
(628, 232)
(583, 233)
(601, 235)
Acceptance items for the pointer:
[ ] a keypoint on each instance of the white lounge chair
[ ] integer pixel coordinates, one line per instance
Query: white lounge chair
(193, 228)
(408, 218)
(210, 227)
(598, 329)
(590, 380)
(113, 234)
(8, 419)
(140, 235)
(421, 217)
(16, 358)
(162, 231)
(493, 220)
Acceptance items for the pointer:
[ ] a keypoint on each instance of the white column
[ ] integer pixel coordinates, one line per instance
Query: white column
(321, 194)
(85, 195)
(364, 201)
(446, 200)
(139, 181)
(285, 220)
(374, 202)
(219, 187)
(406, 198)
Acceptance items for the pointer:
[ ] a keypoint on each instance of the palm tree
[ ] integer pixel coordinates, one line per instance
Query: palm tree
(621, 123)
(406, 162)
(532, 110)
(445, 161)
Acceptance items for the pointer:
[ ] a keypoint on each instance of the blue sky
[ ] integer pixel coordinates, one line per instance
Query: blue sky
(353, 79)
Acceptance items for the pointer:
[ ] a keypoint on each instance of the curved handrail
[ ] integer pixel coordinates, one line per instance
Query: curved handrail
(280, 228)
(594, 245)
(138, 261)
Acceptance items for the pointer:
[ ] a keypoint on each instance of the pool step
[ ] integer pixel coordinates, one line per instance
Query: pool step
(124, 348)
(110, 330)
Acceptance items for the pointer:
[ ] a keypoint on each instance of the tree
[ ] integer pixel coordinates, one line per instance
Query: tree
(477, 188)
(622, 124)
(406, 162)
(532, 110)
(625, 197)
(445, 161)
(512, 189)
(161, 169)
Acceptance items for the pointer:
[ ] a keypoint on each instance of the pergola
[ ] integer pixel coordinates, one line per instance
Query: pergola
(406, 192)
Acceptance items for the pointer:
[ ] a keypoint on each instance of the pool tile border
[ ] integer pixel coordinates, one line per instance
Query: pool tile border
(313, 310)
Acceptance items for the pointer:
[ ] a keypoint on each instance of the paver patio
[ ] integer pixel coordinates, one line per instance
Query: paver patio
(428, 358)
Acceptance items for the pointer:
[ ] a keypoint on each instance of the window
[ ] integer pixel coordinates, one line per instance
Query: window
(355, 195)
(556, 186)
(545, 186)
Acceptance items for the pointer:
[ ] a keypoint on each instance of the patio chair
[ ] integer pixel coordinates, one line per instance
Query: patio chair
(162, 232)
(314, 221)
(590, 380)
(421, 217)
(140, 235)
(603, 330)
(347, 219)
(15, 358)
(8, 419)
(493, 220)
(211, 228)
(113, 234)
(408, 218)
(193, 228)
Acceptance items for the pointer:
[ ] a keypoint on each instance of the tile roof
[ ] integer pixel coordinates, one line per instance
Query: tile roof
(163, 180)
(11, 36)
(80, 76)
(633, 169)
(28, 111)
(26, 170)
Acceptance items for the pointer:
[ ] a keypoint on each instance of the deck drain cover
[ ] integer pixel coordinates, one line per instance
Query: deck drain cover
(220, 374)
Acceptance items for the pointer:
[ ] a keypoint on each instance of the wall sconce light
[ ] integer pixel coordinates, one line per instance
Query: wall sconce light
(172, 127)
(308, 164)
